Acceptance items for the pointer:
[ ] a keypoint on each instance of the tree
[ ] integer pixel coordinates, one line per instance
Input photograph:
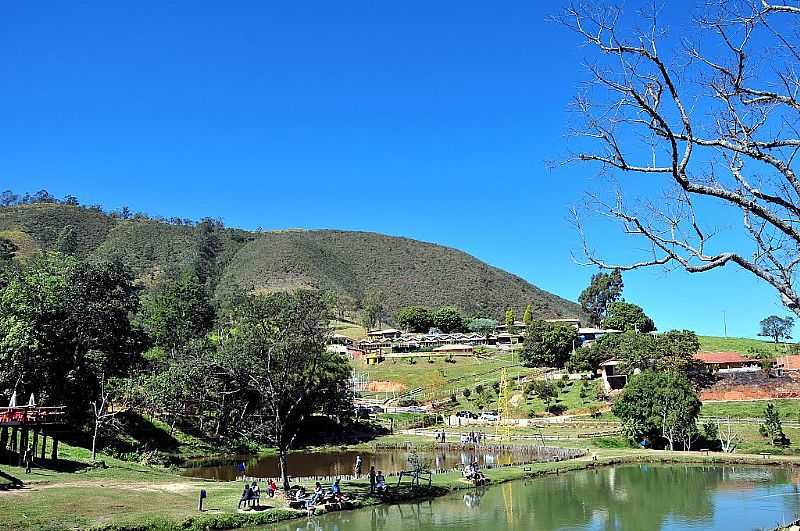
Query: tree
(9, 198)
(177, 311)
(510, 320)
(589, 358)
(658, 405)
(548, 344)
(372, 309)
(603, 289)
(544, 391)
(777, 328)
(773, 427)
(482, 325)
(280, 346)
(447, 319)
(70, 200)
(113, 398)
(8, 249)
(63, 324)
(527, 317)
(672, 352)
(702, 126)
(415, 319)
(208, 248)
(627, 317)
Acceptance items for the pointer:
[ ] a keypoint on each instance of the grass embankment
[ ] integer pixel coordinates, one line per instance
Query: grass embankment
(126, 496)
(788, 409)
(742, 345)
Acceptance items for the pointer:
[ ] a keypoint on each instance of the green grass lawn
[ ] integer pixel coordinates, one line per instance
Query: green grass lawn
(741, 345)
(788, 409)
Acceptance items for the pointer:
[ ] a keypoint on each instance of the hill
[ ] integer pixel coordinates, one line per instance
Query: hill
(403, 270)
(743, 345)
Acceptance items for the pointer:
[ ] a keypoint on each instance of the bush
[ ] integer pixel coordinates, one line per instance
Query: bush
(557, 409)
(467, 393)
(479, 389)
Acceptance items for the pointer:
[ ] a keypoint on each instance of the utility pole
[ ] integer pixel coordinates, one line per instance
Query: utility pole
(724, 324)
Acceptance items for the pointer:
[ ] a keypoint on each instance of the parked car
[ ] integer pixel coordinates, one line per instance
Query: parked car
(376, 409)
(467, 415)
(490, 415)
(416, 409)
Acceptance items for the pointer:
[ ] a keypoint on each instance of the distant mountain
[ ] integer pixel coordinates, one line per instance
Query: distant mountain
(404, 271)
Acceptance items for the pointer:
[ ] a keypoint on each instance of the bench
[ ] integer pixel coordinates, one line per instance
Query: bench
(415, 475)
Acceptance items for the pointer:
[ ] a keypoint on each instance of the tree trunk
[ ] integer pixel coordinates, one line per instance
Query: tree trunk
(94, 439)
(3, 437)
(44, 444)
(54, 452)
(14, 431)
(283, 460)
(35, 442)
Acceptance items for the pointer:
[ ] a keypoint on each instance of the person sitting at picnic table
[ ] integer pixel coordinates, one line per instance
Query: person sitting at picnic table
(315, 498)
(380, 482)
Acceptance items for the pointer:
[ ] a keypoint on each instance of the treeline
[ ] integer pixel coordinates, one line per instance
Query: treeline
(10, 199)
(85, 335)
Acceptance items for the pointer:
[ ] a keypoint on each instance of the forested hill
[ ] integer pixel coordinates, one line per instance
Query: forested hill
(402, 270)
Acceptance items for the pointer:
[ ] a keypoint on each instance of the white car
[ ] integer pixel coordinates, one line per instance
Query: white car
(490, 415)
(416, 409)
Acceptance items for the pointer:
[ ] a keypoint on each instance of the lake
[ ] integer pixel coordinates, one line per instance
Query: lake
(630, 497)
(389, 460)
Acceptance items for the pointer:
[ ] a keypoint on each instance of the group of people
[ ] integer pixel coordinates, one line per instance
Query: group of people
(334, 495)
(251, 495)
(441, 437)
(377, 481)
(473, 473)
(473, 437)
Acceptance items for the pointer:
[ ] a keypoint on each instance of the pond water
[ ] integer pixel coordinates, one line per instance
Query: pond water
(338, 463)
(634, 498)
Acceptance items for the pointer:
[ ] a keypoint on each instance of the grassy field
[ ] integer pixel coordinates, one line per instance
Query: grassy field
(788, 409)
(741, 345)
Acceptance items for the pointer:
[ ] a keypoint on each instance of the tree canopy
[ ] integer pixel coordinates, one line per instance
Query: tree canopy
(448, 319)
(777, 328)
(603, 289)
(415, 319)
(548, 344)
(627, 317)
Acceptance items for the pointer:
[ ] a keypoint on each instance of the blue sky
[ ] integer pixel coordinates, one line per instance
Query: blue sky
(432, 120)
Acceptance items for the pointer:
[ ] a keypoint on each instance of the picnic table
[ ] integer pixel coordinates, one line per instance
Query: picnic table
(415, 476)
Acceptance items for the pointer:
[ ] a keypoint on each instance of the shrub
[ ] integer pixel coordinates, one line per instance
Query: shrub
(467, 393)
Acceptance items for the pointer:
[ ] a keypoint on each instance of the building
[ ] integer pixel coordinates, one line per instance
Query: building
(588, 335)
(725, 362)
(788, 364)
(455, 349)
(612, 381)
(387, 333)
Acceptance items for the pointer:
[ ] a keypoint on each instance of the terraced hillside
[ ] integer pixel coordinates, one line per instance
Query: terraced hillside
(404, 271)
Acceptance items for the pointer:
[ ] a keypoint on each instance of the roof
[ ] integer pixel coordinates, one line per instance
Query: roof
(789, 363)
(610, 363)
(452, 347)
(715, 358)
(589, 330)
(384, 332)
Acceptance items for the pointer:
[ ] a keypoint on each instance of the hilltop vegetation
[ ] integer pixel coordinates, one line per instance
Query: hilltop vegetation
(402, 270)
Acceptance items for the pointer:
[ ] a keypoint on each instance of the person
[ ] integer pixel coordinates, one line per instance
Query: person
(255, 499)
(315, 497)
(380, 482)
(372, 479)
(359, 463)
(242, 469)
(247, 495)
(336, 490)
(28, 459)
(272, 488)
(443, 437)
(300, 494)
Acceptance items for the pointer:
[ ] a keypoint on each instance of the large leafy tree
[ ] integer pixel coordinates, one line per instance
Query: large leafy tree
(415, 318)
(373, 309)
(448, 319)
(659, 405)
(778, 328)
(482, 325)
(177, 310)
(279, 345)
(64, 326)
(627, 317)
(548, 344)
(603, 289)
(671, 352)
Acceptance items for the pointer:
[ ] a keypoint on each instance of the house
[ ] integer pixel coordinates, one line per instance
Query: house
(612, 381)
(388, 333)
(588, 335)
(455, 349)
(566, 321)
(788, 363)
(724, 362)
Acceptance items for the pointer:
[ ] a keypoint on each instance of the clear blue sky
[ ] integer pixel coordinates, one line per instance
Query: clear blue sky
(432, 120)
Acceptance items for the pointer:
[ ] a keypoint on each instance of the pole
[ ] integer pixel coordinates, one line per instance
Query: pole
(724, 324)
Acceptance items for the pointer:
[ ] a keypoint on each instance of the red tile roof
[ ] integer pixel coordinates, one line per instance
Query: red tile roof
(719, 358)
(789, 363)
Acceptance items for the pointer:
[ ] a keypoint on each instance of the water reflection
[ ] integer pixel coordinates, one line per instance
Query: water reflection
(340, 463)
(639, 498)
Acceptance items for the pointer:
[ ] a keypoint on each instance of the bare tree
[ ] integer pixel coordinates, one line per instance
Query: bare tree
(727, 437)
(708, 126)
(113, 399)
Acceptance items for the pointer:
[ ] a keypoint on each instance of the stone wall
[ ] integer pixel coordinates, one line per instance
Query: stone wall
(752, 386)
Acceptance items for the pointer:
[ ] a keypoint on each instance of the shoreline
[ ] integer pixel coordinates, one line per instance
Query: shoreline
(447, 483)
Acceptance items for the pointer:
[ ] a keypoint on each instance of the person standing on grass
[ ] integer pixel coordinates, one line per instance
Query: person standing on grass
(359, 463)
(371, 479)
(28, 459)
